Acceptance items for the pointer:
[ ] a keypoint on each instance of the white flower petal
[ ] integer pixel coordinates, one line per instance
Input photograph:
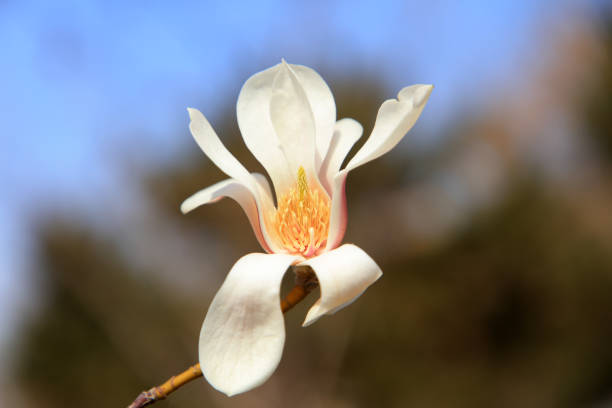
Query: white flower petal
(395, 118)
(293, 122)
(209, 142)
(322, 105)
(211, 194)
(243, 334)
(253, 112)
(343, 274)
(346, 132)
(285, 107)
(235, 190)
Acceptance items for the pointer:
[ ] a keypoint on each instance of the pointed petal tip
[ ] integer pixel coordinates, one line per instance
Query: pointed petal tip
(422, 95)
(418, 93)
(284, 66)
(307, 322)
(310, 320)
(194, 113)
(230, 391)
(312, 315)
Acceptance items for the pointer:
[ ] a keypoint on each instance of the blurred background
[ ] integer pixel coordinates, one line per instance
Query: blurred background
(492, 220)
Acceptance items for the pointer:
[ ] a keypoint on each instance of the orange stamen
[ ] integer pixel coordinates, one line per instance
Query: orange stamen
(301, 220)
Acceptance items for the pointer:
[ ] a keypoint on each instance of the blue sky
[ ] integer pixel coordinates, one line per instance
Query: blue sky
(84, 82)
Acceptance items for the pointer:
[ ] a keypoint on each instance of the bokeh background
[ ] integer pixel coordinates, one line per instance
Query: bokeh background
(492, 220)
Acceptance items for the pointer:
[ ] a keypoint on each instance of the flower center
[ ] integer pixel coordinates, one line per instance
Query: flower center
(302, 217)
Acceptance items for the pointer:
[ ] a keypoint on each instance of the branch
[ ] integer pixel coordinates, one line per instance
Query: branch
(162, 391)
(305, 282)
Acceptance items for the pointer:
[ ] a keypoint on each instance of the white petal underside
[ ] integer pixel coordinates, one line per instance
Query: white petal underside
(343, 274)
(237, 191)
(243, 334)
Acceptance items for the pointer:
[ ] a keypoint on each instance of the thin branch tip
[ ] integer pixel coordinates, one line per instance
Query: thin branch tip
(146, 398)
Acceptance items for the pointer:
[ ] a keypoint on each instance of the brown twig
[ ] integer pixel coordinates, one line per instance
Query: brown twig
(162, 391)
(306, 281)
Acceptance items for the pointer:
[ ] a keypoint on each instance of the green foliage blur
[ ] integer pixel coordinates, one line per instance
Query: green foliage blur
(511, 306)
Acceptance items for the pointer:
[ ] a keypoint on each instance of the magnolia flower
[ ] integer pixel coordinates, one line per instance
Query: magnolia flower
(287, 117)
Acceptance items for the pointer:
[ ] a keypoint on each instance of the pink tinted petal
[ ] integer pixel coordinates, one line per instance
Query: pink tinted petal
(338, 213)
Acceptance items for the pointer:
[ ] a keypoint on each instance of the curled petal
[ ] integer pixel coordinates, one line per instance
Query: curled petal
(395, 118)
(343, 274)
(209, 142)
(243, 334)
(238, 192)
(346, 132)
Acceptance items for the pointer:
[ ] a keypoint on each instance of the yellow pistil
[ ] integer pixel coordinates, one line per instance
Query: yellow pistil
(302, 218)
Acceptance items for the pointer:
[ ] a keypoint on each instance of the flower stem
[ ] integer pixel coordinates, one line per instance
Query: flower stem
(305, 283)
